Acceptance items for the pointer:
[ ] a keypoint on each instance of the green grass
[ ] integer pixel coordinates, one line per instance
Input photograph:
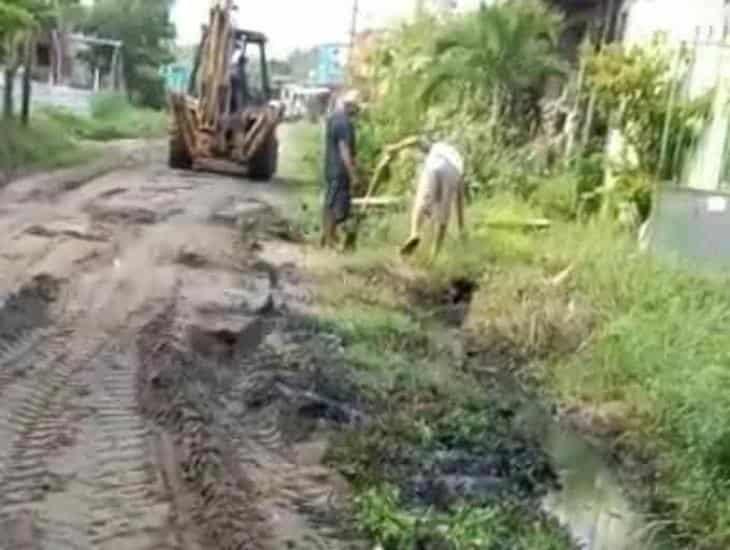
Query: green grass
(45, 144)
(661, 351)
(301, 157)
(640, 344)
(423, 404)
(392, 353)
(620, 332)
(383, 517)
(610, 330)
(112, 117)
(58, 138)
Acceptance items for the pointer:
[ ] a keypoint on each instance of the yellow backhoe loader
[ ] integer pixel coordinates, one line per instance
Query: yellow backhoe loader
(227, 121)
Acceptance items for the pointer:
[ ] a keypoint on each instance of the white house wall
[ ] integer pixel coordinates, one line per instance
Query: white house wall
(702, 26)
(681, 20)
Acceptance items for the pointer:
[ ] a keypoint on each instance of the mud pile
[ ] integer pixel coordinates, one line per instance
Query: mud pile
(239, 406)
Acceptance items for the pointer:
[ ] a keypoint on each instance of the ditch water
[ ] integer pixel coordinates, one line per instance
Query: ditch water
(591, 502)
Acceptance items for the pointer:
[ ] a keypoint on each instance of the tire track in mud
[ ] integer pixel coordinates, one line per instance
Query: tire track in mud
(128, 507)
(24, 328)
(34, 424)
(118, 500)
(208, 489)
(19, 352)
(300, 498)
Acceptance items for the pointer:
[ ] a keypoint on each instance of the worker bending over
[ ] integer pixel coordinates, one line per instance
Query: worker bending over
(440, 187)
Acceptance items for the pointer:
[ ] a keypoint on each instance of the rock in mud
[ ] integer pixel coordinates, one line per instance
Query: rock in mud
(243, 213)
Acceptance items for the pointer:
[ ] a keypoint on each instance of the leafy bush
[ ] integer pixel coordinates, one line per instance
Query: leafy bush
(453, 80)
(149, 91)
(108, 105)
(634, 87)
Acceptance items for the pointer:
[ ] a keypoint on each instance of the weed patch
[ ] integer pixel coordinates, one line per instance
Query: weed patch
(440, 470)
(112, 117)
(55, 137)
(45, 144)
(440, 465)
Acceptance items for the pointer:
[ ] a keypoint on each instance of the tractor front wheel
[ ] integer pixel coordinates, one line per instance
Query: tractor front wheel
(263, 166)
(179, 156)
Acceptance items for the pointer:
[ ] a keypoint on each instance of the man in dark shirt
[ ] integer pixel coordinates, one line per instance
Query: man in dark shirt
(340, 147)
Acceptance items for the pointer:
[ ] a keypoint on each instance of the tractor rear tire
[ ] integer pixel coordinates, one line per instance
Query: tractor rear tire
(264, 165)
(179, 157)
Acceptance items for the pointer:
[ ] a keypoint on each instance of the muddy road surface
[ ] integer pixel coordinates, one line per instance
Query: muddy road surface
(147, 395)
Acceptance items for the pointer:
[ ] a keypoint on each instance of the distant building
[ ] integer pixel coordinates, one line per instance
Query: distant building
(331, 65)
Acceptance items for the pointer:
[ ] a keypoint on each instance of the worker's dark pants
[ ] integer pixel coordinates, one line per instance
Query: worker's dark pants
(337, 199)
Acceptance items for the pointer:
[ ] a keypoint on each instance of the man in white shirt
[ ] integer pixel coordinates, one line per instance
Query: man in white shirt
(441, 185)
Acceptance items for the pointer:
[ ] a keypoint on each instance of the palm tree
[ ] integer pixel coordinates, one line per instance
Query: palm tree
(500, 52)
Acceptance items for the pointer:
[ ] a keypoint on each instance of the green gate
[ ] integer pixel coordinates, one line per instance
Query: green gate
(177, 77)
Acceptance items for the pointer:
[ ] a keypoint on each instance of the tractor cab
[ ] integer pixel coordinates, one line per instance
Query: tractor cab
(250, 84)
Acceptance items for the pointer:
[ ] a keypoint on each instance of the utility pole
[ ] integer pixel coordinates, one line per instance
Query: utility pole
(353, 24)
(353, 30)
(420, 8)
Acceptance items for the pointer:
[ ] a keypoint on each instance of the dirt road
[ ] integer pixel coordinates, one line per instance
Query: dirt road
(148, 398)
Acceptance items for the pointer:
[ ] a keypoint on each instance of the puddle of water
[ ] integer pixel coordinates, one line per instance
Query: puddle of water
(591, 502)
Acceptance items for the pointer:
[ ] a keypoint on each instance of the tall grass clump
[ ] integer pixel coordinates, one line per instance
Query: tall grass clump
(43, 145)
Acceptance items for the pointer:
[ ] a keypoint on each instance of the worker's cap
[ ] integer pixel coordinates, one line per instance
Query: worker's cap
(351, 97)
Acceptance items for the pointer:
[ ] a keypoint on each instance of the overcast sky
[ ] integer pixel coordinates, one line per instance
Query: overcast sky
(293, 23)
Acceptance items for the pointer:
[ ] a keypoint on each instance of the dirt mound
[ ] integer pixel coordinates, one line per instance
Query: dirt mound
(28, 308)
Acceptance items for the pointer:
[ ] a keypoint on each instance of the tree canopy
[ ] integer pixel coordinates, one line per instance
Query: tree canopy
(147, 31)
